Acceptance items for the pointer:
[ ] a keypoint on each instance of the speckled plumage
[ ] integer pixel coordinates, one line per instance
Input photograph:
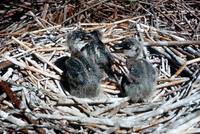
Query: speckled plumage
(139, 83)
(78, 78)
(83, 71)
(91, 47)
(141, 80)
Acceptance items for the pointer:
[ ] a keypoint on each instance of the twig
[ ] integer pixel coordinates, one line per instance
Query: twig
(32, 68)
(173, 83)
(98, 3)
(12, 119)
(171, 43)
(39, 56)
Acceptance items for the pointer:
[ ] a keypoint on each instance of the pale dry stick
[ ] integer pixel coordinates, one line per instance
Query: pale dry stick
(94, 24)
(51, 49)
(25, 52)
(13, 34)
(112, 129)
(119, 57)
(115, 68)
(131, 121)
(173, 83)
(39, 84)
(61, 38)
(32, 68)
(60, 88)
(49, 58)
(48, 45)
(31, 77)
(45, 10)
(116, 39)
(113, 23)
(102, 127)
(109, 89)
(45, 29)
(174, 115)
(95, 28)
(151, 125)
(36, 19)
(54, 96)
(83, 120)
(85, 108)
(116, 110)
(193, 61)
(82, 105)
(42, 20)
(9, 104)
(34, 63)
(177, 38)
(177, 59)
(170, 79)
(53, 87)
(124, 70)
(109, 30)
(89, 120)
(103, 25)
(171, 43)
(193, 51)
(140, 107)
(125, 122)
(65, 12)
(147, 27)
(140, 31)
(39, 56)
(192, 130)
(5, 64)
(185, 126)
(109, 107)
(178, 53)
(3, 50)
(148, 36)
(196, 31)
(6, 76)
(179, 70)
(12, 119)
(70, 111)
(95, 128)
(30, 44)
(108, 86)
(185, 65)
(68, 101)
(165, 68)
(46, 84)
(40, 128)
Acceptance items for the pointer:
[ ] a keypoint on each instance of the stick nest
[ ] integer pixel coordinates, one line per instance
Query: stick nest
(32, 99)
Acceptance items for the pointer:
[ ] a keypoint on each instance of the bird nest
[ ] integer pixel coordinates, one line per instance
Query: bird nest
(32, 99)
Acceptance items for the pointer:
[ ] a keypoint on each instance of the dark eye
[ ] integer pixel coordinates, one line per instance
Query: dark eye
(137, 49)
(126, 46)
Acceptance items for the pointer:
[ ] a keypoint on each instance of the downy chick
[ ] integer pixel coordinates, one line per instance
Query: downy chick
(139, 83)
(78, 77)
(91, 48)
